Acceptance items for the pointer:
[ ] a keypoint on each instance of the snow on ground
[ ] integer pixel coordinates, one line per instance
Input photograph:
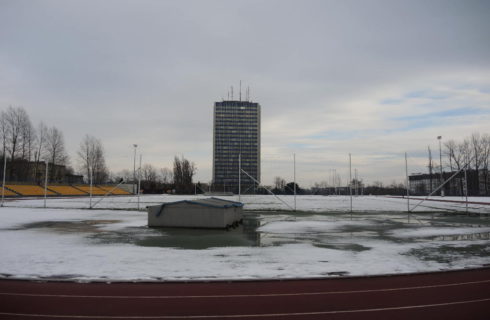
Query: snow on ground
(311, 226)
(64, 241)
(266, 202)
(434, 232)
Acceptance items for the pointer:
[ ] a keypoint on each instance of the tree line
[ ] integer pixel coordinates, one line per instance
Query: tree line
(472, 152)
(163, 180)
(27, 148)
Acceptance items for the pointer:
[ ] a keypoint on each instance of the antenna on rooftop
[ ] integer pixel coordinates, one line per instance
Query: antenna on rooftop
(240, 90)
(231, 92)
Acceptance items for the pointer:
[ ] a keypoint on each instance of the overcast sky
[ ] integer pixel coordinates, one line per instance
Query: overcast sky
(371, 78)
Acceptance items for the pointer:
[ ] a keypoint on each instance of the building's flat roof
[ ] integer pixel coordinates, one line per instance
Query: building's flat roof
(236, 103)
(209, 202)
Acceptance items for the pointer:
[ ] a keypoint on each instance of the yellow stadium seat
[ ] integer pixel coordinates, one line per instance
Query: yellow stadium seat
(7, 192)
(95, 190)
(115, 191)
(29, 190)
(67, 190)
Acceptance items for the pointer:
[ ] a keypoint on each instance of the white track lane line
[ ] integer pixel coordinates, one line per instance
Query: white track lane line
(264, 315)
(244, 295)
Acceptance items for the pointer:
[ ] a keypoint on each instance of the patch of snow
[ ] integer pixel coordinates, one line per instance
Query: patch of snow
(310, 226)
(39, 253)
(434, 232)
(266, 202)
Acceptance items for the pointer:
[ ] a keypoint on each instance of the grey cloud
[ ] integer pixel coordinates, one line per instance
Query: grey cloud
(149, 71)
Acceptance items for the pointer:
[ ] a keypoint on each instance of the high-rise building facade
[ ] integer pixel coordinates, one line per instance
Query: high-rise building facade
(236, 135)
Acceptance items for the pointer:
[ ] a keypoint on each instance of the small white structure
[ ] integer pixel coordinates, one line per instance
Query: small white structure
(205, 213)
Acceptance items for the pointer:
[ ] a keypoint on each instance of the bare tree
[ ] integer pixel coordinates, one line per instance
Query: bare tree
(17, 138)
(125, 174)
(55, 152)
(3, 132)
(485, 159)
(473, 152)
(149, 173)
(378, 184)
(449, 152)
(184, 170)
(27, 135)
(477, 155)
(55, 147)
(15, 118)
(279, 183)
(166, 175)
(39, 148)
(92, 159)
(457, 158)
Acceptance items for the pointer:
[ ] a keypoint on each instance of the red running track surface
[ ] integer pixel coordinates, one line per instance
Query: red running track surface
(463, 294)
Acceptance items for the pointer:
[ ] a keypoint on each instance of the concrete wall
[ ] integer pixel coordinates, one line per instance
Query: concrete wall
(193, 216)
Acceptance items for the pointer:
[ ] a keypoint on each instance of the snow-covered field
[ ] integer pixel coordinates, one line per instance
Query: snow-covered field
(267, 202)
(68, 241)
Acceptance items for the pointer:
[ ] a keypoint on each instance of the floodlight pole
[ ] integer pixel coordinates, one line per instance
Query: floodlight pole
(440, 164)
(91, 169)
(407, 182)
(294, 178)
(466, 184)
(4, 173)
(466, 189)
(350, 183)
(240, 177)
(134, 168)
(356, 184)
(46, 184)
(139, 182)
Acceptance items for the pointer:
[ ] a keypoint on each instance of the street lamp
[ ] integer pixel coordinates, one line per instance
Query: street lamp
(134, 169)
(440, 163)
(4, 172)
(46, 182)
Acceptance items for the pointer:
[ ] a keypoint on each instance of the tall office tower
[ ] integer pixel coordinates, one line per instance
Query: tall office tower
(236, 134)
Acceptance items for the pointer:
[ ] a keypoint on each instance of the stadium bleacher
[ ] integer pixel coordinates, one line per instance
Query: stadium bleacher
(95, 190)
(7, 192)
(67, 191)
(12, 190)
(115, 191)
(29, 190)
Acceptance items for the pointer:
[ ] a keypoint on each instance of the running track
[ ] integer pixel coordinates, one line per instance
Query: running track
(443, 295)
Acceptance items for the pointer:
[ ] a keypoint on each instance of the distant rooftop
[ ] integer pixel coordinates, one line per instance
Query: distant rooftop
(236, 103)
